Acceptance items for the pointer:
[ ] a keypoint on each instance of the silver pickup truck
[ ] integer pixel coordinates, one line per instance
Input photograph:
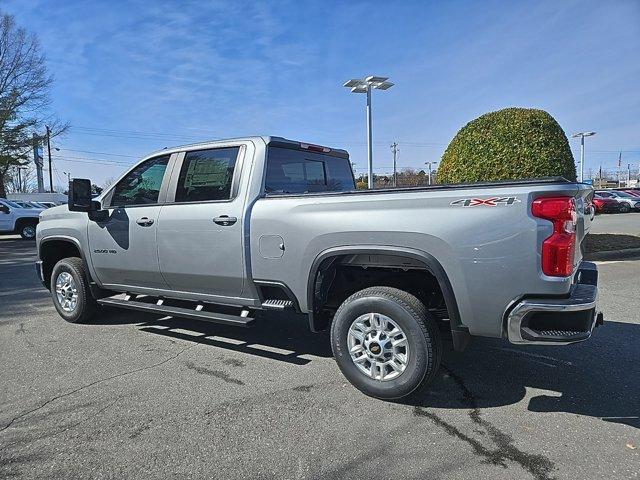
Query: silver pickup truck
(221, 231)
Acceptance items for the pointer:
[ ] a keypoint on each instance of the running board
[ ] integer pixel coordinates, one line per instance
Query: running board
(198, 313)
(277, 304)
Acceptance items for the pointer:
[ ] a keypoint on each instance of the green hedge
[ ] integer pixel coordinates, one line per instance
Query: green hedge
(509, 144)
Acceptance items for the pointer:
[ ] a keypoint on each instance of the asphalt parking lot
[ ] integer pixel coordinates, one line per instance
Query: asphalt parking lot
(138, 396)
(625, 223)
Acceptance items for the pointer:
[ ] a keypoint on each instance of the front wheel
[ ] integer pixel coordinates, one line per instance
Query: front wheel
(625, 208)
(385, 342)
(71, 292)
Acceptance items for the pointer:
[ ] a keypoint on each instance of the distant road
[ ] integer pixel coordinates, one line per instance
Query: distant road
(628, 223)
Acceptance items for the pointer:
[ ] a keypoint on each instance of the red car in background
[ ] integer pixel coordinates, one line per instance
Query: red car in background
(605, 205)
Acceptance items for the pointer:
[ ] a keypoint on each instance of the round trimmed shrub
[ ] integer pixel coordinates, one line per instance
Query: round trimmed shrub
(510, 144)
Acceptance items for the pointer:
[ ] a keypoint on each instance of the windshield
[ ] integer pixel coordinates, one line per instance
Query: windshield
(10, 203)
(623, 195)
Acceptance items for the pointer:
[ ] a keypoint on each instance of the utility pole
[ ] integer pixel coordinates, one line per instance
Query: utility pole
(394, 149)
(50, 165)
(429, 164)
(628, 175)
(619, 165)
(600, 177)
(37, 159)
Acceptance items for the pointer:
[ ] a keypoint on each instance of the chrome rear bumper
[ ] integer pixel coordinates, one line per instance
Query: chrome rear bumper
(558, 321)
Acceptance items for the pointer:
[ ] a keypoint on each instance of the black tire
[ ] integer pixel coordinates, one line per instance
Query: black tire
(27, 230)
(421, 332)
(86, 305)
(625, 208)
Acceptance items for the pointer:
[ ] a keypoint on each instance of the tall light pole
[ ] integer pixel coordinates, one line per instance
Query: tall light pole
(358, 85)
(582, 135)
(429, 165)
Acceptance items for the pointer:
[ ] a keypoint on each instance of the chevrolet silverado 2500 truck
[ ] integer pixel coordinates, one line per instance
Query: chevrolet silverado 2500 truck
(220, 231)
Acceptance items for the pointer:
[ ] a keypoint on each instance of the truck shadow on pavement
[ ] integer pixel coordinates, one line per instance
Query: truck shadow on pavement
(277, 336)
(598, 378)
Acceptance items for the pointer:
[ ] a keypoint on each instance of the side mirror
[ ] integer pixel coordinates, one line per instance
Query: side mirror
(80, 196)
(4, 208)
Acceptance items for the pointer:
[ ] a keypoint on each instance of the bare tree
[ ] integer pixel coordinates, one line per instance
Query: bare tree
(20, 179)
(108, 182)
(24, 95)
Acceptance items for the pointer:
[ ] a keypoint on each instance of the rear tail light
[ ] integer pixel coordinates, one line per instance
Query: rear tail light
(559, 249)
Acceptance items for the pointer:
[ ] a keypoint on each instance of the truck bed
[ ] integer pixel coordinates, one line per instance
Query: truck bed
(488, 245)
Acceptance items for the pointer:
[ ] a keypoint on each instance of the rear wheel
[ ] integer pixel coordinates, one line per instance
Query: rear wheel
(385, 342)
(70, 291)
(28, 231)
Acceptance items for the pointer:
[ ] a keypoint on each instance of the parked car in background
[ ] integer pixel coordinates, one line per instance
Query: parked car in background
(28, 205)
(50, 199)
(37, 205)
(47, 204)
(605, 205)
(17, 219)
(630, 191)
(627, 201)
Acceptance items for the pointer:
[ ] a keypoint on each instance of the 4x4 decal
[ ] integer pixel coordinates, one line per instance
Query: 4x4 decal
(486, 202)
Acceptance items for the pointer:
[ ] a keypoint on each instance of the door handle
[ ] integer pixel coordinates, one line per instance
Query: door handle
(144, 222)
(225, 220)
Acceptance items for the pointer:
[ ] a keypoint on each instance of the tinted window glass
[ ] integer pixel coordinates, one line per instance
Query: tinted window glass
(141, 186)
(297, 171)
(207, 175)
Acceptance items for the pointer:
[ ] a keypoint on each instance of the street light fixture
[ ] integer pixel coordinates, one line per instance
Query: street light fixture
(358, 85)
(582, 135)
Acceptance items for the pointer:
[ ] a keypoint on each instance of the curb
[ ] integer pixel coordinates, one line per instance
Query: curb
(626, 254)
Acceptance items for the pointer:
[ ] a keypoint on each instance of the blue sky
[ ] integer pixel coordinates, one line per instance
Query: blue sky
(133, 77)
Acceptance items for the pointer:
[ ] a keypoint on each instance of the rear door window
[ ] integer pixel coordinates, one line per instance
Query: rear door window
(297, 171)
(207, 175)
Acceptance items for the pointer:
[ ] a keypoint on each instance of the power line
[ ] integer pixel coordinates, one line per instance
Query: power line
(99, 153)
(100, 161)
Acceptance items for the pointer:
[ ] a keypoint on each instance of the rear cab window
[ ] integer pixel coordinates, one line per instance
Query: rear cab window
(292, 171)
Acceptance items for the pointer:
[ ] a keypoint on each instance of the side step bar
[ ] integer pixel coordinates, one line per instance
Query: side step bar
(277, 304)
(242, 320)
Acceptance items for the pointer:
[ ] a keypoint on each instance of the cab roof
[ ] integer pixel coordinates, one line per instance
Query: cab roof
(267, 139)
